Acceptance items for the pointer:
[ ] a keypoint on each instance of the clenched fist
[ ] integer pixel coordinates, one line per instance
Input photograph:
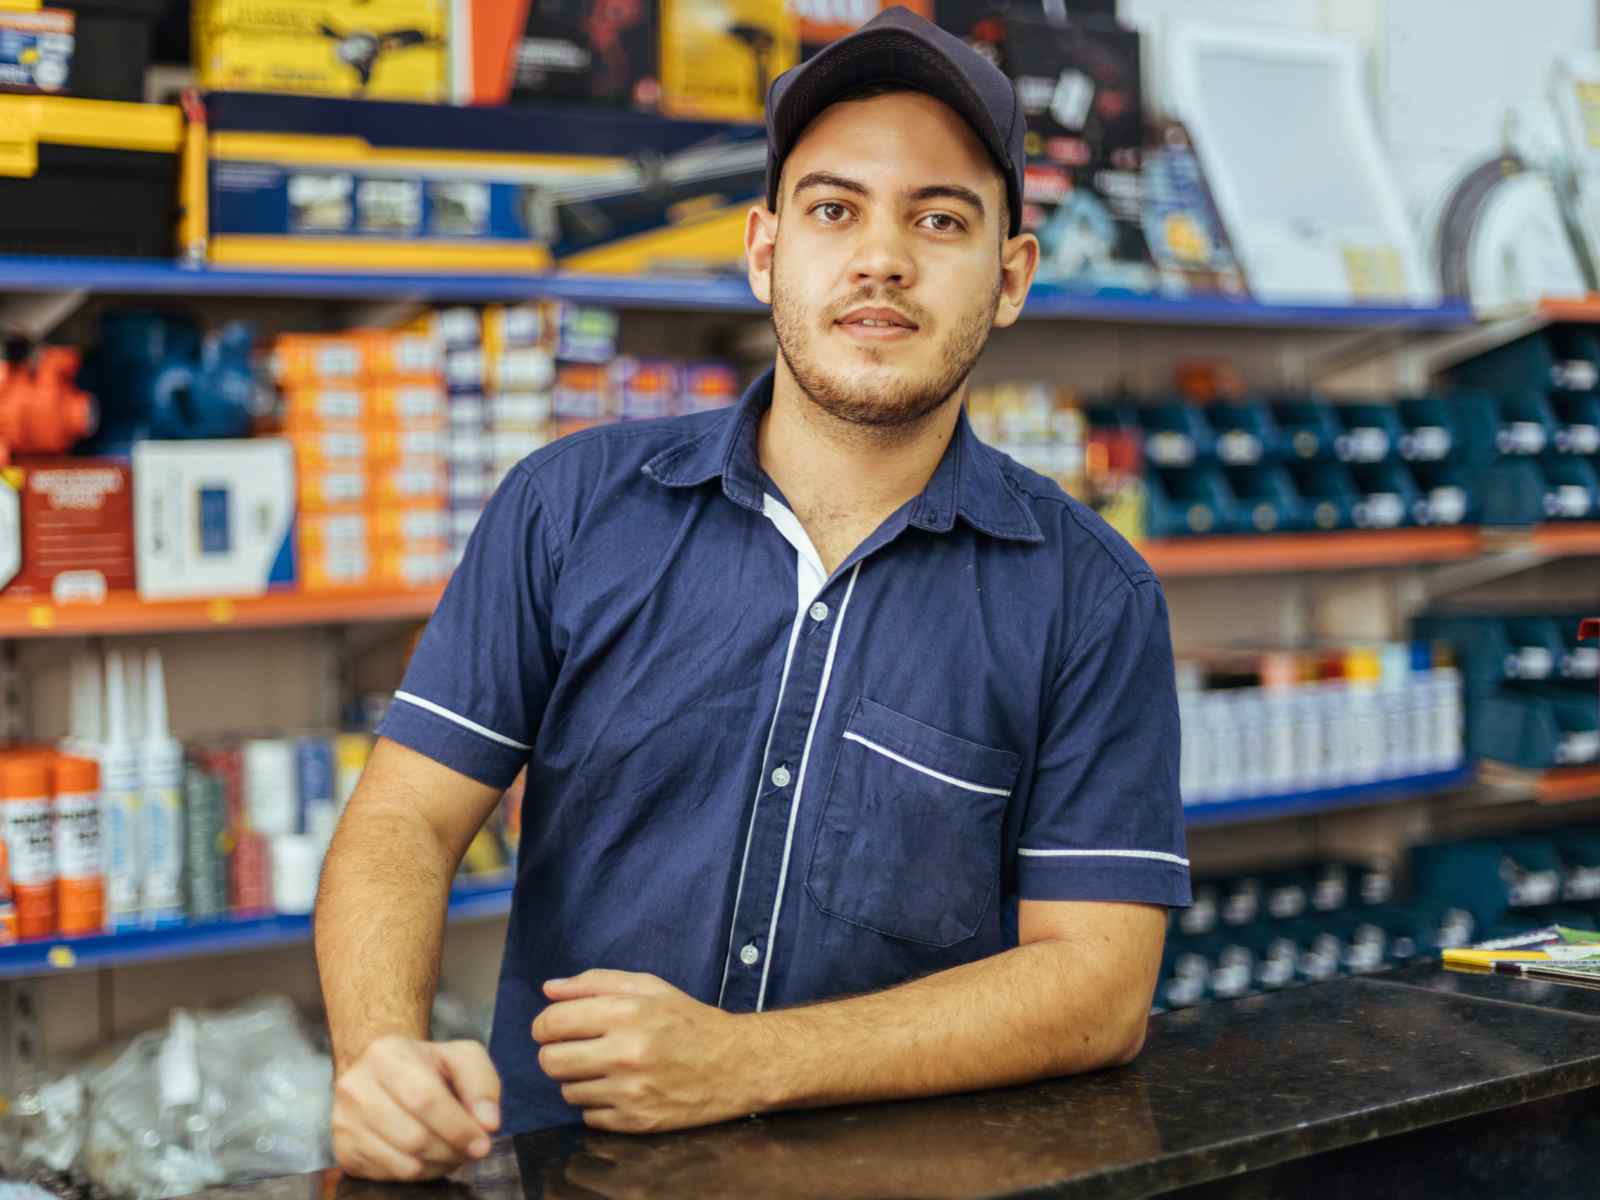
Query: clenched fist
(410, 1110)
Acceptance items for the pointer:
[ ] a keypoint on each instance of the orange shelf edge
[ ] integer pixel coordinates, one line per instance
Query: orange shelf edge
(1578, 538)
(123, 613)
(1557, 785)
(1584, 310)
(1245, 554)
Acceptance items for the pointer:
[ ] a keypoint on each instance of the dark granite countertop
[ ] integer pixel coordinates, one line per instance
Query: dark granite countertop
(1219, 1090)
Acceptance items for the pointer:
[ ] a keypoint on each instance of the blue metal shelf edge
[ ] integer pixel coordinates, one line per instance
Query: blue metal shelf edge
(1260, 808)
(55, 956)
(714, 293)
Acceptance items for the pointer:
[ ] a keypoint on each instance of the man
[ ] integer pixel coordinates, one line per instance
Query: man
(851, 745)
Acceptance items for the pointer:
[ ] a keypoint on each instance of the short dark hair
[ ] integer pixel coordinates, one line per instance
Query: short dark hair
(891, 87)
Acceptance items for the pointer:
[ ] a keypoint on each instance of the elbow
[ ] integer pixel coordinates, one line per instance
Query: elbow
(1129, 1046)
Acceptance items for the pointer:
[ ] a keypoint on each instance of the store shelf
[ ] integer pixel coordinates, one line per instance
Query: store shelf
(1568, 541)
(124, 613)
(717, 293)
(55, 956)
(1266, 808)
(1246, 555)
(1558, 785)
(1577, 312)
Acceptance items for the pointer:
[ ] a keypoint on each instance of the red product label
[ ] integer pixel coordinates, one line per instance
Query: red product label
(77, 528)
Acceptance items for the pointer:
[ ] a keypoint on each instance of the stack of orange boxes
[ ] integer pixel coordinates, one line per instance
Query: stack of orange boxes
(366, 414)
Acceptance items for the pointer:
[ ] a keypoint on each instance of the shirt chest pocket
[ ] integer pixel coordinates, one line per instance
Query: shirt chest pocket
(908, 840)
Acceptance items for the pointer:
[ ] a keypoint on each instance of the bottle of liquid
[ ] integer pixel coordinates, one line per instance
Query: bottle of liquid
(120, 797)
(84, 732)
(80, 878)
(161, 774)
(25, 824)
(8, 910)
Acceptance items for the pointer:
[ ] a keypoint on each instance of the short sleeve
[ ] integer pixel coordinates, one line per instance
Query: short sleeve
(1104, 818)
(475, 690)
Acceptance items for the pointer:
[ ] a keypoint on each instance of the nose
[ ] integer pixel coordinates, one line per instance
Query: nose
(882, 256)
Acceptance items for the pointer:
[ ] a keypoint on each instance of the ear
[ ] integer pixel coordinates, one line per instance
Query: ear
(1019, 261)
(760, 236)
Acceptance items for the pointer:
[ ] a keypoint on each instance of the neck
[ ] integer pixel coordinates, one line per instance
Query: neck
(828, 466)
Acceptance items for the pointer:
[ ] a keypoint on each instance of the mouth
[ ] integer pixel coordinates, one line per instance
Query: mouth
(876, 324)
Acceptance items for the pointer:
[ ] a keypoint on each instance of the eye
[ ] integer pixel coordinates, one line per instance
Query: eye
(832, 212)
(941, 222)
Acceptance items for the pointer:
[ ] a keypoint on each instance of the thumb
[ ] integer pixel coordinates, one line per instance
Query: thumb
(473, 1079)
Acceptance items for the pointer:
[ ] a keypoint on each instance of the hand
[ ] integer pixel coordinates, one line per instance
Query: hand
(640, 1056)
(411, 1110)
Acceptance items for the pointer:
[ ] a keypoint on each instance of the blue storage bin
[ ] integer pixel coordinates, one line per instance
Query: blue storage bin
(1369, 433)
(1190, 501)
(1308, 425)
(1246, 434)
(1447, 494)
(1494, 426)
(1176, 435)
(1537, 726)
(1387, 495)
(1572, 490)
(1431, 427)
(1577, 423)
(1329, 493)
(1267, 499)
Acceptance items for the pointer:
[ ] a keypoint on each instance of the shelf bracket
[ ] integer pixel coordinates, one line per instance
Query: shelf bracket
(37, 315)
(1500, 564)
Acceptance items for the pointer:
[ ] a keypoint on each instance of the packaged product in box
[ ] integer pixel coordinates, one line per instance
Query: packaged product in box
(588, 335)
(382, 49)
(35, 51)
(527, 368)
(311, 408)
(294, 181)
(333, 487)
(1079, 88)
(456, 327)
(413, 525)
(66, 529)
(412, 569)
(309, 359)
(397, 354)
(409, 481)
(703, 386)
(335, 568)
(387, 445)
(521, 410)
(509, 447)
(534, 323)
(466, 370)
(316, 450)
(824, 21)
(645, 387)
(213, 518)
(59, 160)
(719, 56)
(466, 411)
(340, 529)
(587, 51)
(470, 483)
(468, 447)
(583, 392)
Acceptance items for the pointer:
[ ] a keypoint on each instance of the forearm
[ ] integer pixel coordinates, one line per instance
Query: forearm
(379, 924)
(1034, 1012)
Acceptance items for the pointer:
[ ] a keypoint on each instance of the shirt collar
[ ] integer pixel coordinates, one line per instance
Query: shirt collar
(969, 480)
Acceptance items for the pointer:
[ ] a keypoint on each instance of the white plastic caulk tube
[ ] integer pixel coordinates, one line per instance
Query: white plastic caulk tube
(120, 795)
(161, 766)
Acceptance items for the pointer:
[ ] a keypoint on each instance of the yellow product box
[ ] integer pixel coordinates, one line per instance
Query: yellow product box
(534, 324)
(325, 449)
(719, 56)
(401, 354)
(407, 404)
(323, 489)
(391, 445)
(306, 409)
(411, 569)
(380, 49)
(411, 526)
(409, 481)
(301, 359)
(333, 568)
(338, 529)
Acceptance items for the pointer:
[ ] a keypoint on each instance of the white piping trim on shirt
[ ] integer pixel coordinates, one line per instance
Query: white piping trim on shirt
(440, 711)
(799, 787)
(1158, 855)
(733, 927)
(929, 771)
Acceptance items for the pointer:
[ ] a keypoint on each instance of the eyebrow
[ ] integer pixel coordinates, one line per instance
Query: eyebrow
(934, 191)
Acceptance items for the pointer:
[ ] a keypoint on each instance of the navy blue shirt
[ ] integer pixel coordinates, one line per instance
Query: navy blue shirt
(770, 785)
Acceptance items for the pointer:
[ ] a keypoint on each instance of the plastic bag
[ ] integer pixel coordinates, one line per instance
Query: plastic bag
(213, 1098)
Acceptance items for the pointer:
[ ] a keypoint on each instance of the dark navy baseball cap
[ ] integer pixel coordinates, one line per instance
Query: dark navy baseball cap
(897, 46)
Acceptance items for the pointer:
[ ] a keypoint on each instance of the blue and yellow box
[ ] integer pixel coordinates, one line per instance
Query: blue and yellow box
(301, 182)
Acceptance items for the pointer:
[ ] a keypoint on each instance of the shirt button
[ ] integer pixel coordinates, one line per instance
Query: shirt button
(780, 777)
(749, 956)
(819, 611)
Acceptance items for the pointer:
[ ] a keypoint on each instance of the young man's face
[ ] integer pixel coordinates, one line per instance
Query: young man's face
(887, 263)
